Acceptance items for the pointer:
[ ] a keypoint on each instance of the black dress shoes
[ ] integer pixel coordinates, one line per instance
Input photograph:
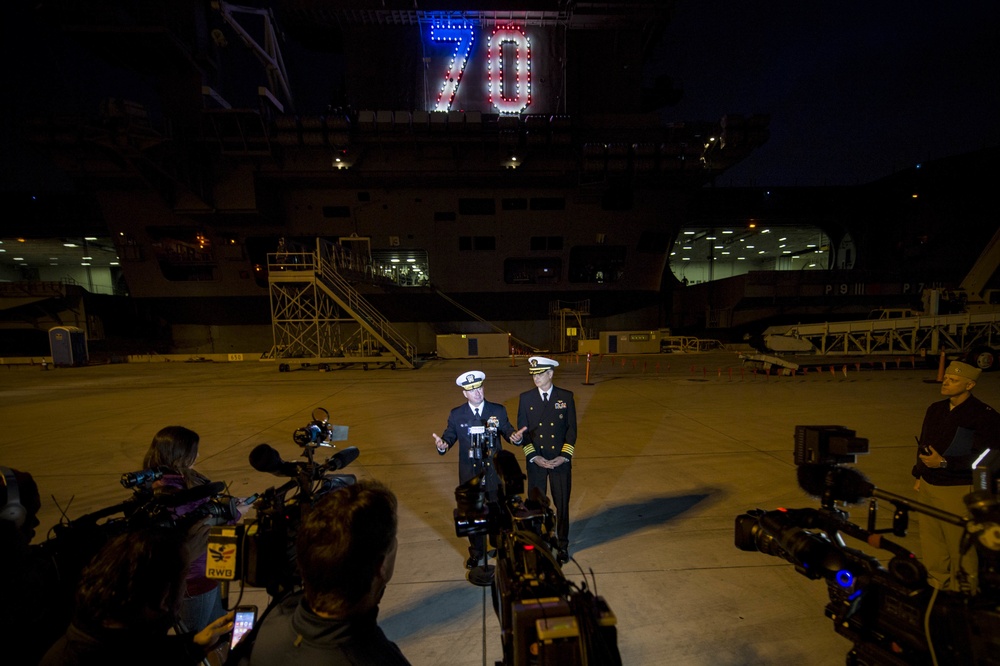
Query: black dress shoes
(473, 561)
(562, 556)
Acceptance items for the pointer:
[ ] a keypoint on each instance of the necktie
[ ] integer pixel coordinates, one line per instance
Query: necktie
(476, 410)
(545, 397)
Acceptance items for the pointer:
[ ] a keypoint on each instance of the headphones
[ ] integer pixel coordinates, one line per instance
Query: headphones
(12, 511)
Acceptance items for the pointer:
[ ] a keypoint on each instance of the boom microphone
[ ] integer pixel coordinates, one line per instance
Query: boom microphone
(265, 458)
(342, 458)
(844, 484)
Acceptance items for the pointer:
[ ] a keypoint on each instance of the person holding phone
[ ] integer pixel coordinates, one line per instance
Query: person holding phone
(127, 600)
(346, 552)
(955, 432)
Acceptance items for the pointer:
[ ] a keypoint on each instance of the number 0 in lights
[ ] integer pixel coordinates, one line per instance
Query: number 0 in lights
(516, 100)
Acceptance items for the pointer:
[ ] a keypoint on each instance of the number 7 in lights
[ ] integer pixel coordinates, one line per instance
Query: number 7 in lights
(498, 80)
(463, 36)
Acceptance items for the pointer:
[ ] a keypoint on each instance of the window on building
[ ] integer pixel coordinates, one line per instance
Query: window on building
(596, 263)
(532, 270)
(477, 243)
(543, 243)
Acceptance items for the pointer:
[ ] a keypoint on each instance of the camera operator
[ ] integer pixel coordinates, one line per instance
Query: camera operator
(35, 611)
(472, 461)
(346, 551)
(174, 451)
(128, 598)
(955, 432)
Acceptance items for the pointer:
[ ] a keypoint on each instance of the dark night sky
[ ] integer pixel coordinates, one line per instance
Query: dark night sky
(855, 90)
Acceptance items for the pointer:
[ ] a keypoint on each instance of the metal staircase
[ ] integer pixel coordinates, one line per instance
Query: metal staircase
(317, 316)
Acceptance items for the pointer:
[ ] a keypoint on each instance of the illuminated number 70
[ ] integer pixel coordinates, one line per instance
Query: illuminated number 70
(509, 82)
(463, 36)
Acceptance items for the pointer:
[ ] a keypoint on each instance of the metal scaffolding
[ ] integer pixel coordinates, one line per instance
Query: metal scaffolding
(318, 317)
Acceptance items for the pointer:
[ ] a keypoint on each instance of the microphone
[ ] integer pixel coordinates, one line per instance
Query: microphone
(342, 458)
(265, 458)
(845, 484)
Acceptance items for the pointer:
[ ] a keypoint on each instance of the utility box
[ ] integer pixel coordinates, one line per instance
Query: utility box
(473, 345)
(630, 342)
(68, 345)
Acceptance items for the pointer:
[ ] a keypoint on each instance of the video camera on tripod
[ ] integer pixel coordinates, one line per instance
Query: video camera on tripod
(261, 552)
(544, 618)
(891, 614)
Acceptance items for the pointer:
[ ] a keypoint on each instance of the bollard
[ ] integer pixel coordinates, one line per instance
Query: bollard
(940, 374)
(586, 380)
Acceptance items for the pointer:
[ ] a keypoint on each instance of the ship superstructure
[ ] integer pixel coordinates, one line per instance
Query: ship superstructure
(471, 162)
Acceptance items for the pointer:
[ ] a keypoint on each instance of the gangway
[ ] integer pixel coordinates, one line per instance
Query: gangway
(974, 335)
(318, 317)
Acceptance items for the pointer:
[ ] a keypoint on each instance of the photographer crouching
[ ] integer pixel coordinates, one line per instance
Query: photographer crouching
(346, 553)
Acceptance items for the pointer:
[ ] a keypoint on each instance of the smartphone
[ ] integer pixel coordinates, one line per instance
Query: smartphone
(245, 618)
(247, 501)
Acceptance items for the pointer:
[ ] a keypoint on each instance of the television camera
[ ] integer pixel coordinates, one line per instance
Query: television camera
(261, 552)
(544, 618)
(72, 544)
(890, 613)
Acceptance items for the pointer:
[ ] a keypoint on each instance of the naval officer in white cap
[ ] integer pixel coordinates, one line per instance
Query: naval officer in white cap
(549, 414)
(477, 411)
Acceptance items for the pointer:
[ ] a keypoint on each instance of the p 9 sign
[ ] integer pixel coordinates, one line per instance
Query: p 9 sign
(507, 56)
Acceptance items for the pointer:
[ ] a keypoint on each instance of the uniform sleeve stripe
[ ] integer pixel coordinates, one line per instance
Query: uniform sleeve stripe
(567, 448)
(529, 449)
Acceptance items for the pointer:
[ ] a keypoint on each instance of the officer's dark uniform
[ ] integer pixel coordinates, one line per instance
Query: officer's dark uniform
(551, 433)
(491, 415)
